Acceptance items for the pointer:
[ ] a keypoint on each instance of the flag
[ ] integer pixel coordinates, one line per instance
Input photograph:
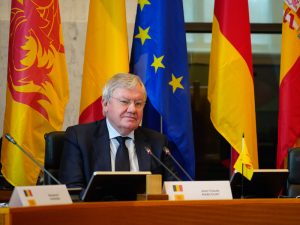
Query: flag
(37, 86)
(289, 93)
(230, 84)
(243, 164)
(106, 53)
(159, 57)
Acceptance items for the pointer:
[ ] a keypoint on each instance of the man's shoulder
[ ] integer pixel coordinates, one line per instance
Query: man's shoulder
(87, 126)
(149, 132)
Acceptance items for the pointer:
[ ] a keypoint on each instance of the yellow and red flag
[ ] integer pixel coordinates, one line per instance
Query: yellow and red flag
(37, 86)
(231, 86)
(243, 164)
(106, 53)
(289, 94)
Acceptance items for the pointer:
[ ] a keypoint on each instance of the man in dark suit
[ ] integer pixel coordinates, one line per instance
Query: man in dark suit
(96, 146)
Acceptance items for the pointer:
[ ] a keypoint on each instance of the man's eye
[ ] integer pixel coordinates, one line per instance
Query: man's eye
(138, 104)
(124, 102)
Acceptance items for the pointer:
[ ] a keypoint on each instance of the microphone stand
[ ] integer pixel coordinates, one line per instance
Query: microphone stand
(242, 194)
(242, 152)
(148, 150)
(12, 140)
(167, 151)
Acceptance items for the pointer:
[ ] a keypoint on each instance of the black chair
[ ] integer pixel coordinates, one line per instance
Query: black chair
(293, 183)
(54, 143)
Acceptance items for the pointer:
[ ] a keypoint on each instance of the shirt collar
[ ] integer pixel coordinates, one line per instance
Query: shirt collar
(114, 133)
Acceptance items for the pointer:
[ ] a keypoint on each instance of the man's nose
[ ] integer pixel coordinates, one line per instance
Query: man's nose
(131, 107)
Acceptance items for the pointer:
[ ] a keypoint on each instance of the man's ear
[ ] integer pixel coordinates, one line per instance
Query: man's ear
(104, 107)
(104, 102)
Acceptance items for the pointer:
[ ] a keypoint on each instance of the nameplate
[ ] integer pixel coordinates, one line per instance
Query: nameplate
(39, 195)
(197, 190)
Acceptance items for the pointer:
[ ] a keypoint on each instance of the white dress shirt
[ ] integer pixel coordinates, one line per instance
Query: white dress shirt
(114, 144)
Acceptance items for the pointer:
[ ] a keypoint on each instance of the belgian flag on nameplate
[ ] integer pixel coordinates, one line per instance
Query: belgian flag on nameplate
(177, 188)
(28, 193)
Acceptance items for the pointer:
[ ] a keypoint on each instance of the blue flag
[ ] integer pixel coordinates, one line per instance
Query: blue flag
(159, 57)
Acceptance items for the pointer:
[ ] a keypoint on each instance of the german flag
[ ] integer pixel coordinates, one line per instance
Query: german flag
(230, 85)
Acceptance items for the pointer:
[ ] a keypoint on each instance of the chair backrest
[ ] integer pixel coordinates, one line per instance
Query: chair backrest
(293, 185)
(54, 143)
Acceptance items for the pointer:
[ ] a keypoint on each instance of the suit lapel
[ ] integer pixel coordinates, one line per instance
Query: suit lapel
(140, 144)
(101, 146)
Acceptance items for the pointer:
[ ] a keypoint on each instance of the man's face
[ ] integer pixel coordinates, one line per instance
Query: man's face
(124, 110)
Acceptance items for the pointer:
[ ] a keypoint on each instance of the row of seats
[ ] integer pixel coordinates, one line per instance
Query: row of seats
(54, 142)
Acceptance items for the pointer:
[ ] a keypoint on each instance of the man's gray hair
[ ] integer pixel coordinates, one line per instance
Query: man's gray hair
(121, 80)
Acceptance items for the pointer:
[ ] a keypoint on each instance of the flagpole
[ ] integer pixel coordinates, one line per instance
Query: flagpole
(242, 195)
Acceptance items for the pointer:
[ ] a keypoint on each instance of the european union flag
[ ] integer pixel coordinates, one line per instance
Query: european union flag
(159, 57)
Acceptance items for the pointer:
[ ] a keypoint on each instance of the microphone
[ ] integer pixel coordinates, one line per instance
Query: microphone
(12, 140)
(148, 150)
(168, 152)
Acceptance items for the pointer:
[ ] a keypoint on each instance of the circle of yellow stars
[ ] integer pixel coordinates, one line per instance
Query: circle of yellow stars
(157, 63)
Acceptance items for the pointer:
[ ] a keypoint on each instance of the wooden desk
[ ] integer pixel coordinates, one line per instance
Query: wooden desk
(233, 212)
(4, 216)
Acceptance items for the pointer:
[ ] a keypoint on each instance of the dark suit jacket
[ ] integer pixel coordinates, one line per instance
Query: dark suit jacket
(87, 149)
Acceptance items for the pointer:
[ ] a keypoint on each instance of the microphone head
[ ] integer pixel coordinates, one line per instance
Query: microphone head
(148, 150)
(10, 138)
(166, 150)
